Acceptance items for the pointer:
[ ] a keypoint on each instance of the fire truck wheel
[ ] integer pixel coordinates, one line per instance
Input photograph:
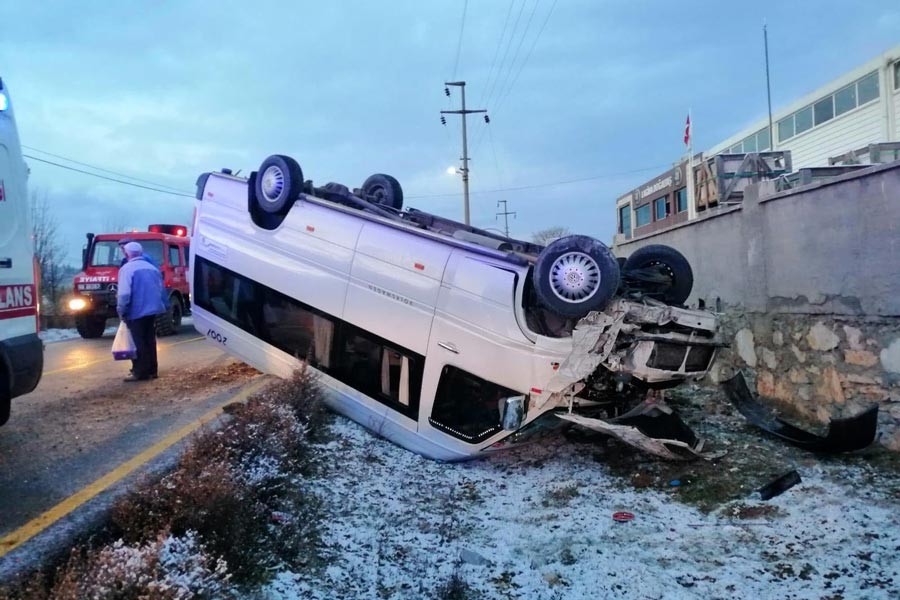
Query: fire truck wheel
(90, 327)
(383, 190)
(278, 183)
(169, 322)
(673, 265)
(575, 275)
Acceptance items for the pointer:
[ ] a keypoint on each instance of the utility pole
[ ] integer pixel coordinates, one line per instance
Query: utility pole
(465, 156)
(505, 215)
(768, 88)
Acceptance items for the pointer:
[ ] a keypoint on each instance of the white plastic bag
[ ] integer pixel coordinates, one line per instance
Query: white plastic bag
(123, 347)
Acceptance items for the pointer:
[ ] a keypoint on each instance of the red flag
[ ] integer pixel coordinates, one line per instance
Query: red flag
(687, 131)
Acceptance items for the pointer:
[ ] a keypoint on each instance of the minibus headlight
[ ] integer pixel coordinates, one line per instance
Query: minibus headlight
(77, 304)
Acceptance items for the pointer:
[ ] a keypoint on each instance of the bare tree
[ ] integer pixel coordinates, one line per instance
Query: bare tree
(47, 247)
(545, 236)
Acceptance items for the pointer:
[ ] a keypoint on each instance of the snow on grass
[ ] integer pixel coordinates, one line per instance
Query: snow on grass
(535, 522)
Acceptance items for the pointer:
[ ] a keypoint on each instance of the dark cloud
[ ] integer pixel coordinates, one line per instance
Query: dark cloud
(164, 91)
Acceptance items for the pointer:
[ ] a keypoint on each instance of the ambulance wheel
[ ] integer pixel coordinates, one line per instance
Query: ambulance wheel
(5, 398)
(279, 182)
(169, 322)
(668, 262)
(575, 275)
(90, 327)
(383, 190)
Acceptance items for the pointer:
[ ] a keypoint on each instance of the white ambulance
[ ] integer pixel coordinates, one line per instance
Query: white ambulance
(448, 340)
(21, 351)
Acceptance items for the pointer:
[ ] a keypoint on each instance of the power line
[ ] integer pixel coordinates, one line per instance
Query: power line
(152, 189)
(462, 26)
(505, 53)
(101, 169)
(527, 57)
(496, 51)
(543, 185)
(515, 57)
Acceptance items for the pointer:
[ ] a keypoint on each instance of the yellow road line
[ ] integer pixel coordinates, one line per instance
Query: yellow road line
(107, 359)
(38, 524)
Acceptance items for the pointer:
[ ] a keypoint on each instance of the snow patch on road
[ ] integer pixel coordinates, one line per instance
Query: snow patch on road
(535, 522)
(61, 335)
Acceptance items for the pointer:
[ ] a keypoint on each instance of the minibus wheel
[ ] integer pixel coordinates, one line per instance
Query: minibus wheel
(383, 190)
(279, 182)
(668, 262)
(575, 275)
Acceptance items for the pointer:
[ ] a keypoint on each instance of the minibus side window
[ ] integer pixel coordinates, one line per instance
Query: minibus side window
(297, 331)
(466, 406)
(380, 371)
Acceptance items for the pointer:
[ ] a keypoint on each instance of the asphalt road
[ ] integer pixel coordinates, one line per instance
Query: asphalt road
(83, 420)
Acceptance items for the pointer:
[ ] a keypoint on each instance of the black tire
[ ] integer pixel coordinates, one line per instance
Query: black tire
(672, 263)
(90, 326)
(575, 275)
(383, 190)
(278, 183)
(169, 322)
(5, 396)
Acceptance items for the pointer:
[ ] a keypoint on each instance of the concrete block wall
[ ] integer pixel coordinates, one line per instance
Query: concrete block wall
(807, 282)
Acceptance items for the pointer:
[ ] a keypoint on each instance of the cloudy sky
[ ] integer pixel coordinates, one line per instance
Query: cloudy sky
(585, 90)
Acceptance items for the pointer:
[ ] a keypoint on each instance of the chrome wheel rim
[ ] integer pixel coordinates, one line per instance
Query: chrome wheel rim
(272, 183)
(574, 277)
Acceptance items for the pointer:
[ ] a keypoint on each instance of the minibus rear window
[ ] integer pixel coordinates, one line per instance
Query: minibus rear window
(466, 406)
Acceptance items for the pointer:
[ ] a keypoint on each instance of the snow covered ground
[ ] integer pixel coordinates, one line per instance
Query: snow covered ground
(535, 522)
(61, 335)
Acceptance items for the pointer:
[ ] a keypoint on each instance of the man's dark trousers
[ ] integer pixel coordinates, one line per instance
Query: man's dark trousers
(143, 331)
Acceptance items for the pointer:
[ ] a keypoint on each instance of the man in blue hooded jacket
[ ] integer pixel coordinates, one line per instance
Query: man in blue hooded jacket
(139, 301)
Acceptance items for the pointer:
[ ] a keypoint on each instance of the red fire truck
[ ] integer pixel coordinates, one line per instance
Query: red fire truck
(95, 287)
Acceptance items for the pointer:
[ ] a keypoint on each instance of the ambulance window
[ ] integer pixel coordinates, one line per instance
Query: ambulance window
(174, 257)
(187, 255)
(467, 407)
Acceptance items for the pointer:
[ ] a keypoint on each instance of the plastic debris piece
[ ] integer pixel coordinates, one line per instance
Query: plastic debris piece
(675, 482)
(623, 516)
(778, 486)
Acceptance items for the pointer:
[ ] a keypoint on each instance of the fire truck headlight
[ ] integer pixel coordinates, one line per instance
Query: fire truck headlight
(77, 304)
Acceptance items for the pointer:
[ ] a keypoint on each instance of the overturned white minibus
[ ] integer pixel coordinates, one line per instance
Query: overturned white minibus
(448, 340)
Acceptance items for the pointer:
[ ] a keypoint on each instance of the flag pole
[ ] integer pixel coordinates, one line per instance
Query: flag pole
(692, 203)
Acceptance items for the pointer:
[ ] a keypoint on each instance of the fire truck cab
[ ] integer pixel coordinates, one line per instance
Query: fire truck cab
(95, 287)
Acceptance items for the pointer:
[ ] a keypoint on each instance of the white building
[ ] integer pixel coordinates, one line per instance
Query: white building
(859, 108)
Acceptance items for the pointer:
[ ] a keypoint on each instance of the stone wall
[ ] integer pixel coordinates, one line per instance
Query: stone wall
(816, 368)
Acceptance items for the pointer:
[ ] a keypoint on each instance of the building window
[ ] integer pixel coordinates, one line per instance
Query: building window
(750, 144)
(642, 215)
(897, 75)
(681, 200)
(625, 221)
(803, 120)
(867, 88)
(659, 208)
(845, 100)
(823, 110)
(762, 140)
(736, 149)
(786, 128)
